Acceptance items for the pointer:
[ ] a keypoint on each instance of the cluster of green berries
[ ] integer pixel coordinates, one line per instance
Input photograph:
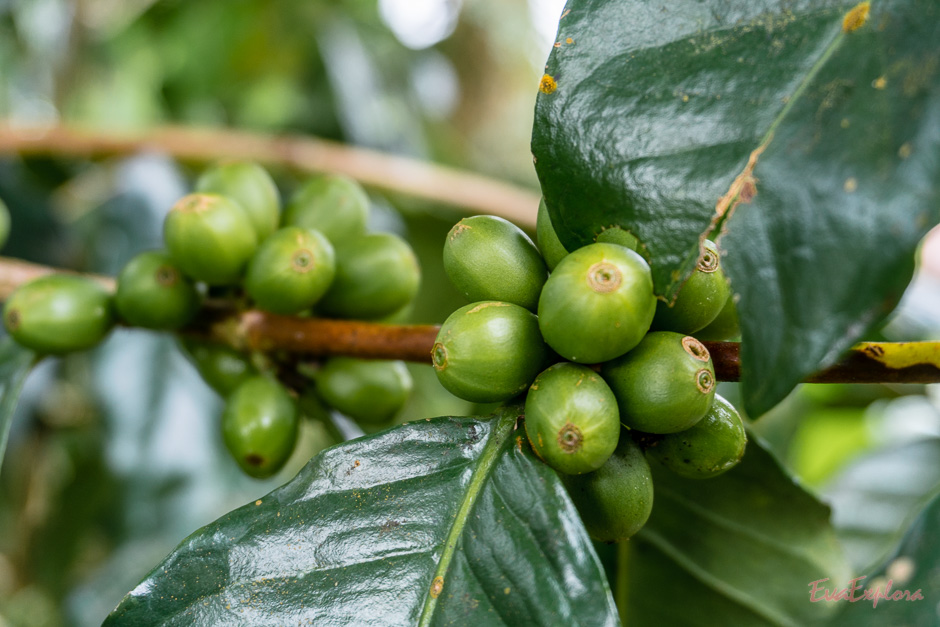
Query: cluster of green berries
(231, 239)
(612, 375)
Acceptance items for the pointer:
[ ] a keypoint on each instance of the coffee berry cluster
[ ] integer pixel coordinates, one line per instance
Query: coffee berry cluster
(231, 241)
(612, 376)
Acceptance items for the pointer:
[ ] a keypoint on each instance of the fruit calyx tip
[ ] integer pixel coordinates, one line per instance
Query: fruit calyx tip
(695, 348)
(302, 261)
(704, 381)
(570, 439)
(604, 277)
(439, 356)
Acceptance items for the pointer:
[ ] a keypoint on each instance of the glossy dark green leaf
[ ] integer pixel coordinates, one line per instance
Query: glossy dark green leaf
(913, 574)
(450, 521)
(15, 364)
(736, 550)
(664, 108)
(875, 499)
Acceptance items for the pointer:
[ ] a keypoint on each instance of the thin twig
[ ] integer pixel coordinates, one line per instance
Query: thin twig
(386, 172)
(253, 330)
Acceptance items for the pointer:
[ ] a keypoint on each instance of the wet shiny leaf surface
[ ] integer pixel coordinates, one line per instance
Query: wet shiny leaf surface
(812, 129)
(450, 521)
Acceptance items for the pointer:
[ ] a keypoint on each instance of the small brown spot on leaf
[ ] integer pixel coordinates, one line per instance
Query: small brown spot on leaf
(880, 83)
(388, 526)
(436, 587)
(856, 17)
(743, 188)
(258, 502)
(548, 84)
(851, 184)
(905, 150)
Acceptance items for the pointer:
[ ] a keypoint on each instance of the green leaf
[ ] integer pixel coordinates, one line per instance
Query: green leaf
(877, 498)
(739, 549)
(914, 568)
(669, 113)
(15, 364)
(437, 522)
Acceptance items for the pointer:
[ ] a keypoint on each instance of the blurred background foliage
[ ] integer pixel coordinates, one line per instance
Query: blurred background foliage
(115, 455)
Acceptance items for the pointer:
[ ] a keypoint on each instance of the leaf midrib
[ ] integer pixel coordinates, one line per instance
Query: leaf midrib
(484, 467)
(734, 526)
(721, 586)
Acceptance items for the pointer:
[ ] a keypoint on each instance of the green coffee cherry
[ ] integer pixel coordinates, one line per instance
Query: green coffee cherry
(336, 206)
(250, 187)
(59, 313)
(4, 223)
(550, 246)
(291, 270)
(489, 258)
(376, 275)
(619, 236)
(713, 445)
(221, 367)
(664, 385)
(571, 418)
(724, 327)
(153, 293)
(615, 500)
(700, 299)
(259, 426)
(488, 352)
(597, 304)
(210, 238)
(368, 391)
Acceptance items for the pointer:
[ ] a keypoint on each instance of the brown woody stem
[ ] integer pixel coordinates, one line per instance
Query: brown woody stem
(253, 330)
(382, 171)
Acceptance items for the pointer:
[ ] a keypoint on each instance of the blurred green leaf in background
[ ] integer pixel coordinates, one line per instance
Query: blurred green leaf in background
(115, 455)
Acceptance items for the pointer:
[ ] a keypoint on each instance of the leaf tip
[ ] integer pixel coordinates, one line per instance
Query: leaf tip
(856, 17)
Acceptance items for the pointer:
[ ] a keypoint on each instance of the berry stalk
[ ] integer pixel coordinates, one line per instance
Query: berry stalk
(871, 362)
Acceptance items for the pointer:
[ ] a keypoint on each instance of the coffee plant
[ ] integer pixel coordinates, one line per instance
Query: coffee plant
(730, 191)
